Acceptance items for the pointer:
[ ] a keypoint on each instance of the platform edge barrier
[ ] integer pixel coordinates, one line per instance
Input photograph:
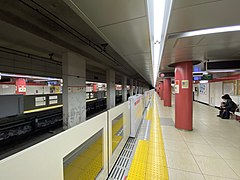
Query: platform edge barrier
(112, 114)
(45, 159)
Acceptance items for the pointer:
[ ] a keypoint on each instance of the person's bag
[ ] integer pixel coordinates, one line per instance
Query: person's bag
(225, 115)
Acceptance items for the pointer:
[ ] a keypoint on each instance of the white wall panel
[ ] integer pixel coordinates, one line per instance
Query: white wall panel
(218, 93)
(7, 89)
(31, 90)
(204, 97)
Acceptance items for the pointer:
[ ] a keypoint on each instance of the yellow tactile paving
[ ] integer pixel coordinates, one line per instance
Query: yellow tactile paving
(149, 162)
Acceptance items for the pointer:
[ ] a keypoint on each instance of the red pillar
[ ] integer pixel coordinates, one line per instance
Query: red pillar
(183, 98)
(161, 90)
(167, 92)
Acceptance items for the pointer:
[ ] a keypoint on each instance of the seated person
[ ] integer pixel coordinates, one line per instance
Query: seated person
(227, 106)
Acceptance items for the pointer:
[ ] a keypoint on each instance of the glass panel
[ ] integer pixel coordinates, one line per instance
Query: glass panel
(230, 87)
(117, 131)
(86, 161)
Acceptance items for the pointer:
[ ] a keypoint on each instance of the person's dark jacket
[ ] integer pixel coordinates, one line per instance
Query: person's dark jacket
(230, 105)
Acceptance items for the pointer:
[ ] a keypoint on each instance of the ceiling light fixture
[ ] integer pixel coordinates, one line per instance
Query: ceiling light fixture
(223, 70)
(203, 81)
(158, 16)
(205, 31)
(30, 77)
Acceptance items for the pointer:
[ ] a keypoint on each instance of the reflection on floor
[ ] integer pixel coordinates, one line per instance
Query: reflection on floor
(149, 160)
(117, 132)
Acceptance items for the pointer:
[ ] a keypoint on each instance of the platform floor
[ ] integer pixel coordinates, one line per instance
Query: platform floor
(211, 151)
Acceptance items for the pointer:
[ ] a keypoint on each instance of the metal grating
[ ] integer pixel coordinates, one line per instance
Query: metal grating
(121, 167)
(124, 160)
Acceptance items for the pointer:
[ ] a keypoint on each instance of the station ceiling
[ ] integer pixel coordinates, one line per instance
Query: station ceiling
(43, 27)
(124, 26)
(115, 34)
(194, 15)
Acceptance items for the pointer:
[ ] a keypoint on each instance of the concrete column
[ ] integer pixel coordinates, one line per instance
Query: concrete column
(124, 89)
(74, 89)
(131, 87)
(110, 89)
(140, 88)
(136, 87)
(167, 92)
(183, 96)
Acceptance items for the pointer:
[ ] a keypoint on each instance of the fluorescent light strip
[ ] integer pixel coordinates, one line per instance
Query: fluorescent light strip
(223, 70)
(205, 31)
(200, 72)
(203, 81)
(158, 16)
(30, 77)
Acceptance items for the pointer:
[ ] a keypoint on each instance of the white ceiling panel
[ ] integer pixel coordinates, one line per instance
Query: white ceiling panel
(188, 3)
(141, 56)
(187, 42)
(189, 15)
(106, 12)
(124, 26)
(222, 38)
(129, 37)
(207, 15)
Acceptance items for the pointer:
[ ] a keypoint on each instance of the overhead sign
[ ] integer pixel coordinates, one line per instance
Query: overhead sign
(207, 77)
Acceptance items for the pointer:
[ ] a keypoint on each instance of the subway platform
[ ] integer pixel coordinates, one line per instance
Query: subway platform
(211, 151)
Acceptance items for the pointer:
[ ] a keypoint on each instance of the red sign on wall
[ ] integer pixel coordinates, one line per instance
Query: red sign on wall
(21, 86)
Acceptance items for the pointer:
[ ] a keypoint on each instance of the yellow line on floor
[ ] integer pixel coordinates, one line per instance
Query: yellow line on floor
(42, 109)
(149, 162)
